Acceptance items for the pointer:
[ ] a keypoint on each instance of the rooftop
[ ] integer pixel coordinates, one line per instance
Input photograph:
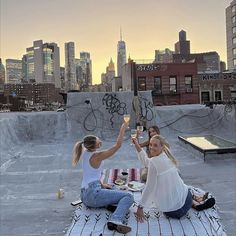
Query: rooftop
(36, 161)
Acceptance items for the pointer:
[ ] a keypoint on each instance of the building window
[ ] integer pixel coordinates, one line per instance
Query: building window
(234, 30)
(205, 97)
(234, 51)
(173, 84)
(233, 19)
(234, 40)
(233, 8)
(218, 96)
(234, 61)
(157, 84)
(141, 83)
(188, 83)
(233, 95)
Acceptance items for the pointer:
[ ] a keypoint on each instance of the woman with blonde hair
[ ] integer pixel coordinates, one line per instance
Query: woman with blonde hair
(93, 192)
(164, 188)
(153, 130)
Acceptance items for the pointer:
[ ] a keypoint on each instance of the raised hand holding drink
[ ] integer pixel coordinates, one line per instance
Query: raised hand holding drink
(126, 118)
(140, 130)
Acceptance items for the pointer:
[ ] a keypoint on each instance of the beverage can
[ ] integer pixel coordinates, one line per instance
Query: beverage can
(60, 193)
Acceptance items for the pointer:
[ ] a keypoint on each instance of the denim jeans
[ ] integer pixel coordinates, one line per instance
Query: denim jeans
(183, 210)
(96, 196)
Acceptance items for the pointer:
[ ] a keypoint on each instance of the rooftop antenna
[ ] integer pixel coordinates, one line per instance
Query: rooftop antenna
(120, 34)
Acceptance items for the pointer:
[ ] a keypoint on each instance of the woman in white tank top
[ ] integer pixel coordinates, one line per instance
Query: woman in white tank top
(93, 192)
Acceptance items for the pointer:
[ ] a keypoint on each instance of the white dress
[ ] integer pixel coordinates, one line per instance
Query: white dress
(164, 188)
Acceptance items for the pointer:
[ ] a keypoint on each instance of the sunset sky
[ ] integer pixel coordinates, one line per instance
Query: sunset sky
(94, 26)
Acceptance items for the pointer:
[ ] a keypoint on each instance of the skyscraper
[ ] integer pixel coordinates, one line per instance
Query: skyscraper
(86, 65)
(109, 75)
(70, 68)
(84, 71)
(13, 71)
(206, 61)
(42, 63)
(183, 45)
(231, 35)
(121, 55)
(2, 76)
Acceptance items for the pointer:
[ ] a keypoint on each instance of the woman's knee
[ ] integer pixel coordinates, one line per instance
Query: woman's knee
(130, 198)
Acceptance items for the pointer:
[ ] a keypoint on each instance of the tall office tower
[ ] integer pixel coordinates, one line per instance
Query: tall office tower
(183, 45)
(13, 71)
(24, 69)
(84, 70)
(42, 63)
(86, 64)
(110, 73)
(79, 72)
(62, 77)
(2, 76)
(231, 35)
(121, 55)
(70, 68)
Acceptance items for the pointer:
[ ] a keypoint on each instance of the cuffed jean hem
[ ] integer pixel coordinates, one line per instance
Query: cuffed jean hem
(183, 210)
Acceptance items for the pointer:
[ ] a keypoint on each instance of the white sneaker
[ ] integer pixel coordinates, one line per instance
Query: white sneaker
(118, 226)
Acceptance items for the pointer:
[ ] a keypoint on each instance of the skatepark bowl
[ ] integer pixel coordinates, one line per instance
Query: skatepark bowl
(36, 152)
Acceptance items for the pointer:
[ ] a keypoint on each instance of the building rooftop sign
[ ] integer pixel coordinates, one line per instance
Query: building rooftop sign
(148, 67)
(214, 76)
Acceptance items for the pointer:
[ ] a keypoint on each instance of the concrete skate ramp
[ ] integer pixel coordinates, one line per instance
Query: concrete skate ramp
(35, 158)
(104, 114)
(19, 128)
(196, 119)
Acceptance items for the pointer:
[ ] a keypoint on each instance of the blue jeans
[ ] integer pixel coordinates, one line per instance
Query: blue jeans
(96, 196)
(183, 210)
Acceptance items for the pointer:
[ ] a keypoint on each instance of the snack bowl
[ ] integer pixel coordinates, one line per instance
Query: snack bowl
(135, 186)
(119, 182)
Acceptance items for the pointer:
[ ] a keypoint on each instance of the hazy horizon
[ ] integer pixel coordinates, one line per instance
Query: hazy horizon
(95, 27)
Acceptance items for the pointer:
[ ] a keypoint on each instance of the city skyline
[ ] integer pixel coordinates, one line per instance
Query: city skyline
(96, 27)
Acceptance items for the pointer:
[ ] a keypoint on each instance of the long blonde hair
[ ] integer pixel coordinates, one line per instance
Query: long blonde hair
(89, 143)
(166, 148)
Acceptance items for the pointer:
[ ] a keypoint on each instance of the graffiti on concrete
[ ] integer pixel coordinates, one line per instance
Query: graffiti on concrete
(145, 109)
(114, 106)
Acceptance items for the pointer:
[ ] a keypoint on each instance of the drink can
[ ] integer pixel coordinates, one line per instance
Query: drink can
(60, 193)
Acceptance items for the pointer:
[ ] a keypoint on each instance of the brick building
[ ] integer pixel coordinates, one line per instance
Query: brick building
(171, 83)
(11, 103)
(214, 87)
(34, 92)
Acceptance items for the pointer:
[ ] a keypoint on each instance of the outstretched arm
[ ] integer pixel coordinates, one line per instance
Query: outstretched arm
(144, 144)
(98, 157)
(136, 144)
(142, 155)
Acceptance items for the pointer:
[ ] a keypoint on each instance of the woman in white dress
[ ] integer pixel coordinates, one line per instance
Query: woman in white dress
(164, 188)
